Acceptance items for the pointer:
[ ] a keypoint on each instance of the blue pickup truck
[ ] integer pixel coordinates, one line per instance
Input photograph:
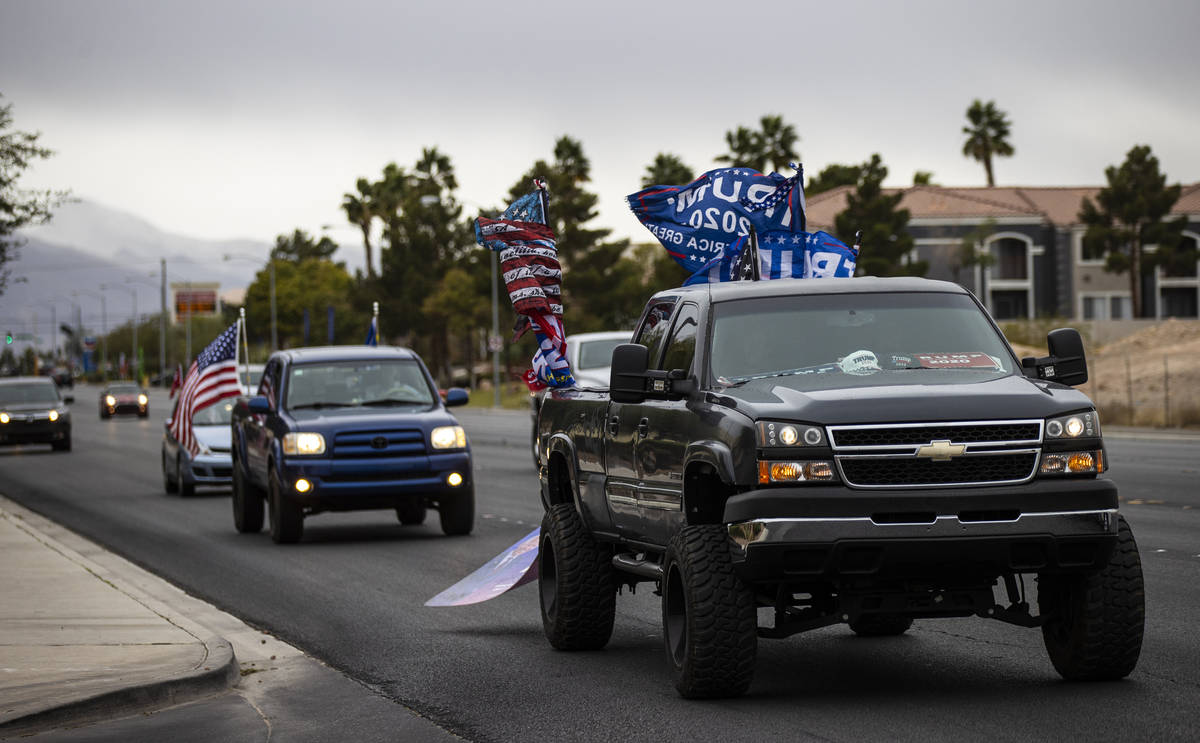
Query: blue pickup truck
(346, 428)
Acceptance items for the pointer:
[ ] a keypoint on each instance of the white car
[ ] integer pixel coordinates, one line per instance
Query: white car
(590, 356)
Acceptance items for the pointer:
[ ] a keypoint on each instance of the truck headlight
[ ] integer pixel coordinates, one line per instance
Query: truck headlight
(53, 415)
(448, 437)
(1072, 463)
(303, 443)
(4, 418)
(109, 400)
(142, 400)
(776, 433)
(1073, 426)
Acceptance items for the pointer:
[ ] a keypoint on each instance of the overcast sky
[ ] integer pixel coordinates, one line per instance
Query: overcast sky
(247, 118)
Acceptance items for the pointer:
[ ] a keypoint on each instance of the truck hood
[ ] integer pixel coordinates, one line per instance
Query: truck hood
(1009, 397)
(332, 420)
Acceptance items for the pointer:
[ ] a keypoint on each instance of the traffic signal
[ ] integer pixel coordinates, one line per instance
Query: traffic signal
(8, 338)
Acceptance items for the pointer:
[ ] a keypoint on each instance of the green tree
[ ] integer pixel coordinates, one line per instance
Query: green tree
(29, 361)
(773, 144)
(314, 284)
(299, 246)
(886, 244)
(8, 361)
(667, 170)
(832, 176)
(424, 236)
(987, 135)
(923, 178)
(1128, 215)
(19, 207)
(360, 208)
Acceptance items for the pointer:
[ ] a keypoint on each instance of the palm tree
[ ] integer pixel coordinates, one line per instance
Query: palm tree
(360, 210)
(745, 149)
(987, 136)
(667, 169)
(778, 142)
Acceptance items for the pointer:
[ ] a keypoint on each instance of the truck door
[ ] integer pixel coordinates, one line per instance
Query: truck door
(621, 430)
(255, 425)
(664, 429)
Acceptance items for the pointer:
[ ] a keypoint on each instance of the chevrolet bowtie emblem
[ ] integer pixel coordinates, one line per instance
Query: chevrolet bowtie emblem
(941, 451)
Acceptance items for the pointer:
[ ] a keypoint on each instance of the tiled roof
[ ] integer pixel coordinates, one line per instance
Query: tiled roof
(1057, 204)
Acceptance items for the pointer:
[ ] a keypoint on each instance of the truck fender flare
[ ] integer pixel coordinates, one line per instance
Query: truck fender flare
(713, 453)
(560, 443)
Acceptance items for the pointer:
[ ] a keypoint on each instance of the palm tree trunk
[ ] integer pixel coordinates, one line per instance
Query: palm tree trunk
(366, 230)
(1135, 277)
(987, 165)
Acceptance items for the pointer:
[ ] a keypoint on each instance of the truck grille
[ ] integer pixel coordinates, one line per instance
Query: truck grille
(937, 454)
(959, 433)
(379, 444)
(973, 470)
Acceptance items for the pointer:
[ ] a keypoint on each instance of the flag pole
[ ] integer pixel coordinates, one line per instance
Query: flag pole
(242, 341)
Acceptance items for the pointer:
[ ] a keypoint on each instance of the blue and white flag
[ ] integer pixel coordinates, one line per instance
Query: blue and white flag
(373, 332)
(697, 222)
(784, 255)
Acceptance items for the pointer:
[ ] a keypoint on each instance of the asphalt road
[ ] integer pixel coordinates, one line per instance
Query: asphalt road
(351, 594)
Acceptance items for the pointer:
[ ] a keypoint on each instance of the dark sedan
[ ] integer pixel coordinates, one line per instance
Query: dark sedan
(33, 412)
(120, 398)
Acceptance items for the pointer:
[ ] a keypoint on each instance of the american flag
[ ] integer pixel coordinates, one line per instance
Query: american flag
(533, 277)
(212, 377)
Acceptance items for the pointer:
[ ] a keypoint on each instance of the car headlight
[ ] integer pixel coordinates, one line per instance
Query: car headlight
(110, 400)
(775, 433)
(303, 443)
(4, 418)
(52, 415)
(1073, 463)
(448, 437)
(142, 399)
(1074, 426)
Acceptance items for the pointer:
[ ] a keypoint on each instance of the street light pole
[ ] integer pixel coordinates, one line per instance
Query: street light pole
(274, 334)
(103, 329)
(162, 320)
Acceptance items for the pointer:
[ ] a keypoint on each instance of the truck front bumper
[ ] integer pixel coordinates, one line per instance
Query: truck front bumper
(1045, 526)
(337, 485)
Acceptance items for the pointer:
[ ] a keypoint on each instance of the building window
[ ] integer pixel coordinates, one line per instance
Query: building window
(1011, 262)
(1186, 268)
(1120, 308)
(1093, 308)
(1105, 307)
(1010, 304)
(1179, 301)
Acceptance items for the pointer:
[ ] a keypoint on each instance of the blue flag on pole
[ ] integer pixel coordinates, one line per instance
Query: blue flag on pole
(785, 255)
(373, 332)
(698, 221)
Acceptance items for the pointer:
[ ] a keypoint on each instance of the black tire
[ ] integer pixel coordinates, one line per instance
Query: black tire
(710, 623)
(169, 485)
(248, 504)
(1094, 623)
(456, 511)
(287, 520)
(881, 625)
(577, 585)
(411, 512)
(62, 444)
(186, 489)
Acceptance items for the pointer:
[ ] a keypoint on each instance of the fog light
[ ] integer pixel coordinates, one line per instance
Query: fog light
(4, 418)
(303, 486)
(454, 479)
(53, 415)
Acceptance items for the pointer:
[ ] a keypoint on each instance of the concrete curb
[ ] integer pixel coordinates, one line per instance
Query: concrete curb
(219, 672)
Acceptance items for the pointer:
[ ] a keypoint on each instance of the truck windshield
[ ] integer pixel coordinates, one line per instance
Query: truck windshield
(829, 341)
(388, 383)
(21, 392)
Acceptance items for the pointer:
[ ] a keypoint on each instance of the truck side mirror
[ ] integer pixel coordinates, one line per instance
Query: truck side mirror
(1066, 363)
(627, 379)
(68, 399)
(456, 396)
(258, 404)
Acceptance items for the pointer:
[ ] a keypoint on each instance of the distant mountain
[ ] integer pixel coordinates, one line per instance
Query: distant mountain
(87, 245)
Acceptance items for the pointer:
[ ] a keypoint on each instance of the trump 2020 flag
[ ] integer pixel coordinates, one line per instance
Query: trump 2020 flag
(784, 255)
(533, 277)
(697, 222)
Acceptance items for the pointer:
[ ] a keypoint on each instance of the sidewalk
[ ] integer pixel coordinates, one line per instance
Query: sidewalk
(79, 644)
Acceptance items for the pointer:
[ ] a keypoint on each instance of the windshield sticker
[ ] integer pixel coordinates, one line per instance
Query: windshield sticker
(965, 360)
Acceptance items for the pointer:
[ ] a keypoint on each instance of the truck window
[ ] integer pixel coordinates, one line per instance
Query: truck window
(653, 331)
(682, 346)
(269, 386)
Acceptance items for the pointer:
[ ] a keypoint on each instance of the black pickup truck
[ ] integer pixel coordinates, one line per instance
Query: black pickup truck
(866, 451)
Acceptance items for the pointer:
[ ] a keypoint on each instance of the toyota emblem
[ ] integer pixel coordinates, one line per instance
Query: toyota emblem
(379, 442)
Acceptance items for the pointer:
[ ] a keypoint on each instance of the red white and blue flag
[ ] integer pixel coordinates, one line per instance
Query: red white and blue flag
(533, 277)
(211, 378)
